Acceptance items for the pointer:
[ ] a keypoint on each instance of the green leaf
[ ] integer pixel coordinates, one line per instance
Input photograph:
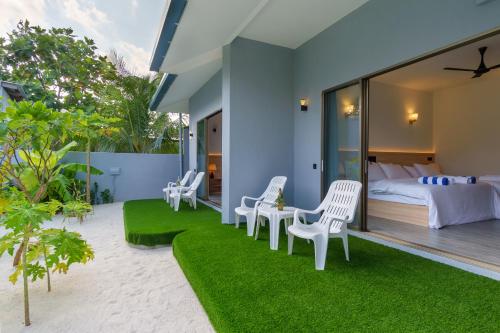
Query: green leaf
(78, 167)
(14, 276)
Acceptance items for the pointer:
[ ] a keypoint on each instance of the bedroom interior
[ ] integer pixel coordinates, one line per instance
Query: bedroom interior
(431, 118)
(214, 166)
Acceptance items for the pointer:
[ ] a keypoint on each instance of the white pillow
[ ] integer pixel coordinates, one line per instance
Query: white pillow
(427, 170)
(394, 171)
(375, 172)
(412, 171)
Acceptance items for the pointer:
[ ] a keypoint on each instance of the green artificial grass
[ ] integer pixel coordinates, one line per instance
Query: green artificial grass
(153, 222)
(246, 287)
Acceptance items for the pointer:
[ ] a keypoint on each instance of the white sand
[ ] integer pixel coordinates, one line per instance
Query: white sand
(123, 290)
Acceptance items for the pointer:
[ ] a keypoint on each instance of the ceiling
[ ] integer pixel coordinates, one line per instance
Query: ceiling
(195, 53)
(428, 75)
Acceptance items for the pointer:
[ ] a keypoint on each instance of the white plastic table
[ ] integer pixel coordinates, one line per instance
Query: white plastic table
(275, 216)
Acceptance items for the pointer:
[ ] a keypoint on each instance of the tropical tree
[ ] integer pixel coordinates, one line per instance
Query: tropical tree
(55, 66)
(30, 137)
(90, 127)
(141, 130)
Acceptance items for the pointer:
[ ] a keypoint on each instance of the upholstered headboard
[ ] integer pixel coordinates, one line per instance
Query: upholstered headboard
(402, 158)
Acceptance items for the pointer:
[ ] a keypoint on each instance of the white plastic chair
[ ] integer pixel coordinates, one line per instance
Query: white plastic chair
(338, 209)
(267, 198)
(168, 190)
(186, 193)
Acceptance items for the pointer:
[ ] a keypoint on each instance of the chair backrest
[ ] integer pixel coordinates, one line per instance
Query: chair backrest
(186, 178)
(196, 182)
(341, 201)
(271, 193)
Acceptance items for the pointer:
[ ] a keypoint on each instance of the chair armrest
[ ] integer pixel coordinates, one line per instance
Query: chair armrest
(247, 198)
(179, 189)
(302, 213)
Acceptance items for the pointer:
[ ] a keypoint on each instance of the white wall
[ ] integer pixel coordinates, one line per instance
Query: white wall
(389, 127)
(467, 127)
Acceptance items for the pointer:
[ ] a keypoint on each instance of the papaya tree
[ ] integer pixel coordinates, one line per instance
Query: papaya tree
(90, 127)
(33, 140)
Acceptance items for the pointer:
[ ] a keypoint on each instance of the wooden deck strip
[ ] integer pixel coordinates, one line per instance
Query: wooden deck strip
(478, 241)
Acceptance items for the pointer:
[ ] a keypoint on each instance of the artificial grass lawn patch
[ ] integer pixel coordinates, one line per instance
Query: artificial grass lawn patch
(246, 287)
(146, 225)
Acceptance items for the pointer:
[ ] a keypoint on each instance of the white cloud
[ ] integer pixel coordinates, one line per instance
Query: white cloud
(136, 58)
(86, 20)
(135, 5)
(87, 16)
(12, 11)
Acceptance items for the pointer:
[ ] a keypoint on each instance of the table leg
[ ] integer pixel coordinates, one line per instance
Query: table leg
(272, 232)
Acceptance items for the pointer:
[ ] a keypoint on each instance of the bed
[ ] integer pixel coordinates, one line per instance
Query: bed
(442, 205)
(406, 200)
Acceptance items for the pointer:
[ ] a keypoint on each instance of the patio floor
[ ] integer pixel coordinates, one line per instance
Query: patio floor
(123, 290)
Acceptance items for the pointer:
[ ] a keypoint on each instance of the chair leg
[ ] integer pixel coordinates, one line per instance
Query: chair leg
(320, 249)
(274, 232)
(193, 200)
(177, 201)
(290, 243)
(250, 224)
(236, 221)
(257, 227)
(346, 245)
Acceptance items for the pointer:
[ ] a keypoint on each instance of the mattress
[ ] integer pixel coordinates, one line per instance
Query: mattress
(397, 198)
(448, 205)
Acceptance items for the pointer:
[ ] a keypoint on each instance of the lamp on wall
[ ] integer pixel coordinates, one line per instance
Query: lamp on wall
(351, 110)
(304, 103)
(212, 168)
(412, 118)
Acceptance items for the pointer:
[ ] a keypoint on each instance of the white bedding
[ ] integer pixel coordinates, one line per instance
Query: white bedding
(448, 205)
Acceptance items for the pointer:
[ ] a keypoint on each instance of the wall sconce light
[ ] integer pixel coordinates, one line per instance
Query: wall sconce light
(304, 103)
(351, 111)
(412, 118)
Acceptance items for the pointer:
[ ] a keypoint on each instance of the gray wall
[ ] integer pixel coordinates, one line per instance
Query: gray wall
(207, 100)
(471, 149)
(215, 138)
(142, 175)
(379, 34)
(389, 127)
(257, 111)
(4, 99)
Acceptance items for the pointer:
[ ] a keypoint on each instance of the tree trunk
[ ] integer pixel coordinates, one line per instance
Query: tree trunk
(87, 188)
(47, 269)
(27, 321)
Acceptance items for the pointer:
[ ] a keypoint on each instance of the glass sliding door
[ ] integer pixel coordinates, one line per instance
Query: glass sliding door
(342, 137)
(201, 156)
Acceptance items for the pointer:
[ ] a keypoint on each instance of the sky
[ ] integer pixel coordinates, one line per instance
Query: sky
(129, 26)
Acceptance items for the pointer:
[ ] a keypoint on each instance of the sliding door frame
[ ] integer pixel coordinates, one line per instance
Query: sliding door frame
(364, 82)
(363, 141)
(206, 180)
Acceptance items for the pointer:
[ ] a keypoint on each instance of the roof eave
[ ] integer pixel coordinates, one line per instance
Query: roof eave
(162, 89)
(167, 32)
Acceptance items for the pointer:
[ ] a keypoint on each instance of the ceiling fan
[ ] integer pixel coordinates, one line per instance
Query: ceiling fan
(481, 69)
